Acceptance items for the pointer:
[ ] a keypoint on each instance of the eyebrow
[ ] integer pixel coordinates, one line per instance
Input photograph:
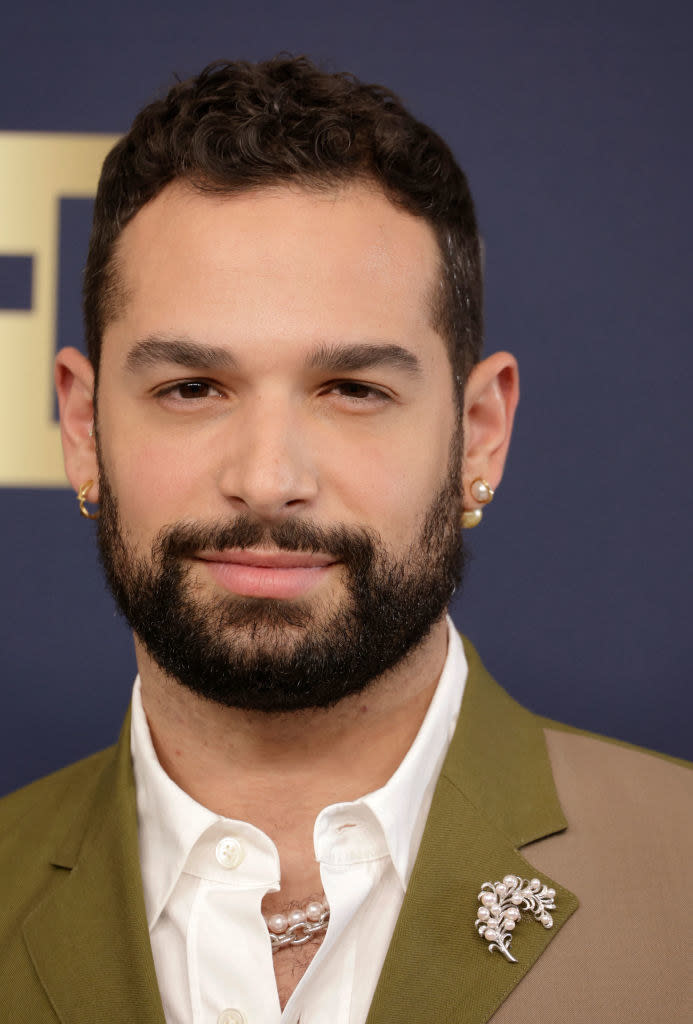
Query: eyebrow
(182, 351)
(335, 358)
(363, 356)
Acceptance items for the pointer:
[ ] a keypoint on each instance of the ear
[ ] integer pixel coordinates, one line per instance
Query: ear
(74, 382)
(490, 400)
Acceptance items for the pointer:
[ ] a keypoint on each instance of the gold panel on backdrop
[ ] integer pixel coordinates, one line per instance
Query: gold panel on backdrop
(37, 170)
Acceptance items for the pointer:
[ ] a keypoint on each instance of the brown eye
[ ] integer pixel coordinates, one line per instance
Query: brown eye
(186, 392)
(358, 391)
(352, 389)
(194, 389)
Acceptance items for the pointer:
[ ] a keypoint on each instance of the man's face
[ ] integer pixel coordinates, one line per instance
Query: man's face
(278, 442)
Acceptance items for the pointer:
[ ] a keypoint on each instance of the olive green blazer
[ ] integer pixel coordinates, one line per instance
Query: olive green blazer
(606, 825)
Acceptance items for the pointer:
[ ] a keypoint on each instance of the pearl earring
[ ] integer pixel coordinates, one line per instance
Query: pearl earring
(482, 492)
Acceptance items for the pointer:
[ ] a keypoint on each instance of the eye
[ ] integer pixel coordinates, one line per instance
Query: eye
(358, 392)
(189, 390)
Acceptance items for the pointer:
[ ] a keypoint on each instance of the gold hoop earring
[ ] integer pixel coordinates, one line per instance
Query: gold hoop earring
(482, 492)
(82, 499)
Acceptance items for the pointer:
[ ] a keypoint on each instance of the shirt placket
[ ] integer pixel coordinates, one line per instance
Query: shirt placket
(229, 954)
(352, 853)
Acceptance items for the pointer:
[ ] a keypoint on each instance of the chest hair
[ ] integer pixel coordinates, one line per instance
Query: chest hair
(290, 964)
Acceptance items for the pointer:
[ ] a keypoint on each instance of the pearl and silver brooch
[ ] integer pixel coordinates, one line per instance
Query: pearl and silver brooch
(501, 906)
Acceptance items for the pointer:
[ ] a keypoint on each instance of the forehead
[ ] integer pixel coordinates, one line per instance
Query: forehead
(280, 263)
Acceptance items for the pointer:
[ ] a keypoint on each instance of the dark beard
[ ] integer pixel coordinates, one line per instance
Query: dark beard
(276, 655)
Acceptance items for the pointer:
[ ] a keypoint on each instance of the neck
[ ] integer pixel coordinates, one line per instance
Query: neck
(278, 771)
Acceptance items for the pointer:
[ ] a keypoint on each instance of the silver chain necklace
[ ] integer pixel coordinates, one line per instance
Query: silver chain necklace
(297, 927)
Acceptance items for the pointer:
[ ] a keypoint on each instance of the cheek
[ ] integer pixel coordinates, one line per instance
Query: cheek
(155, 483)
(391, 486)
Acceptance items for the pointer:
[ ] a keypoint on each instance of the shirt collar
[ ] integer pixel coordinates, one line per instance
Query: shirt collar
(402, 804)
(170, 822)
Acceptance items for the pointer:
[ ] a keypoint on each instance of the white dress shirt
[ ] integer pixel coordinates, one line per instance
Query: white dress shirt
(205, 876)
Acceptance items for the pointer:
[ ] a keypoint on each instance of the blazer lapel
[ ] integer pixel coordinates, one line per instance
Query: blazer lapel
(88, 938)
(495, 794)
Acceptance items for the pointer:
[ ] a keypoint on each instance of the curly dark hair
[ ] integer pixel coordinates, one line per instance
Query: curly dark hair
(240, 126)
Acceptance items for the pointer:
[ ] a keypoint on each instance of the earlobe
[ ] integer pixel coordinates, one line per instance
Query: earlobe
(74, 382)
(491, 397)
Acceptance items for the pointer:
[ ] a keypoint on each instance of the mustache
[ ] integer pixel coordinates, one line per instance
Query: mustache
(352, 545)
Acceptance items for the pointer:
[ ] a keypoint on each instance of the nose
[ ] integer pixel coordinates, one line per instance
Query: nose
(267, 466)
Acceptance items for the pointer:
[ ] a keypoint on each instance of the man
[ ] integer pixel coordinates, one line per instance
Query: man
(315, 808)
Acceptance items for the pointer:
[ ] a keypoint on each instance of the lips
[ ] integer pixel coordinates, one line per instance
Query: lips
(270, 574)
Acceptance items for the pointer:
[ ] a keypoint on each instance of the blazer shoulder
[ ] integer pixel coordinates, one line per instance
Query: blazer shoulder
(35, 814)
(640, 798)
(41, 829)
(551, 725)
(492, 695)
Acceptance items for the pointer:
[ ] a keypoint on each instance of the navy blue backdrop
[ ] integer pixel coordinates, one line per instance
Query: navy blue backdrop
(574, 129)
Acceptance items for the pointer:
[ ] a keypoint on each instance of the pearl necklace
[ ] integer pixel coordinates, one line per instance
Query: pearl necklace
(298, 926)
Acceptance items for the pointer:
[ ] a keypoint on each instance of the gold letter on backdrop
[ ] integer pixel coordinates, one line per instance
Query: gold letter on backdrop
(36, 172)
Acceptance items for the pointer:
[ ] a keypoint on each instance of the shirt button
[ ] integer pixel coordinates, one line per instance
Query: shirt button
(231, 1017)
(229, 854)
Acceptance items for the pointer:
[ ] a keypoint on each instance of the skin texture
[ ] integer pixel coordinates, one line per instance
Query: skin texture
(278, 281)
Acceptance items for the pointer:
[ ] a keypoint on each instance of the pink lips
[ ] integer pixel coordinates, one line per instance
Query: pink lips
(278, 574)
